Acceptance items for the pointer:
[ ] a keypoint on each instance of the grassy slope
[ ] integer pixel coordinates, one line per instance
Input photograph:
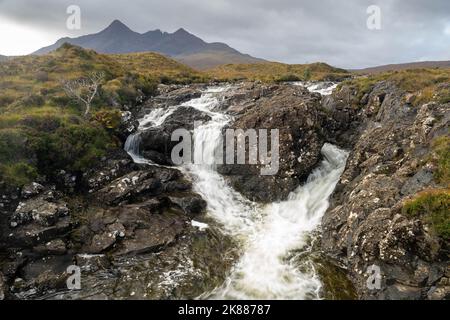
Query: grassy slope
(210, 59)
(424, 84)
(32, 74)
(159, 67)
(42, 130)
(404, 66)
(274, 71)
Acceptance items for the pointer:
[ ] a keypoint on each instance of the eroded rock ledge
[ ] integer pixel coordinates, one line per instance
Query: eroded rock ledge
(391, 142)
(127, 226)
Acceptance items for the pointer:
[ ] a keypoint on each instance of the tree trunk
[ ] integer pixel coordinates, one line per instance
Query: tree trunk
(88, 110)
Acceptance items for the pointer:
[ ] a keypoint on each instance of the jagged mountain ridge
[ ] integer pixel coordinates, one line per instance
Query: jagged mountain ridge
(180, 45)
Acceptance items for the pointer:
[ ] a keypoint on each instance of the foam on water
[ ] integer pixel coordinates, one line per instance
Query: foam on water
(269, 235)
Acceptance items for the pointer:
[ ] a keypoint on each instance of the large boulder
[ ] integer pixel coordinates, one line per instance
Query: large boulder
(302, 125)
(131, 229)
(157, 144)
(139, 185)
(45, 210)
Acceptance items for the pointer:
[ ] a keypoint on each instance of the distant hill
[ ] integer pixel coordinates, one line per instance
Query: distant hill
(3, 58)
(404, 66)
(274, 71)
(180, 45)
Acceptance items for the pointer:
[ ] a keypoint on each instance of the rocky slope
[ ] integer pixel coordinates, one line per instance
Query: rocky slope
(393, 166)
(129, 226)
(391, 142)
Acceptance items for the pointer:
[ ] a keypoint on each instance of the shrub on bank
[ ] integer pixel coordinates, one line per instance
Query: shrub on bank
(441, 150)
(42, 144)
(433, 207)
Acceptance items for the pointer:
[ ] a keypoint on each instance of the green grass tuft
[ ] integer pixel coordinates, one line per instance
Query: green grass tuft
(433, 207)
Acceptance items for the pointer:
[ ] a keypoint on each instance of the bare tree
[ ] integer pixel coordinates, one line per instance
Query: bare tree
(84, 89)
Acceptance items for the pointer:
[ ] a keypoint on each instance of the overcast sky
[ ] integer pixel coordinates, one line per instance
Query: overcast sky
(292, 31)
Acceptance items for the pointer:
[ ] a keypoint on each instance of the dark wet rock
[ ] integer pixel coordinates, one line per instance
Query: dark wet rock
(133, 229)
(128, 186)
(44, 210)
(246, 96)
(55, 247)
(197, 263)
(441, 291)
(162, 231)
(42, 276)
(176, 95)
(117, 164)
(66, 181)
(157, 142)
(37, 220)
(9, 198)
(92, 263)
(11, 265)
(46, 265)
(113, 221)
(102, 242)
(190, 204)
(390, 142)
(137, 184)
(128, 125)
(3, 287)
(185, 117)
(302, 125)
(32, 190)
(34, 234)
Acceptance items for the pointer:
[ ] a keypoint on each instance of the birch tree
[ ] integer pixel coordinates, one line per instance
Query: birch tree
(84, 89)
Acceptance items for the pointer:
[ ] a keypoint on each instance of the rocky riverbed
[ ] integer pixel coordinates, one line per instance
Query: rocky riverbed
(141, 231)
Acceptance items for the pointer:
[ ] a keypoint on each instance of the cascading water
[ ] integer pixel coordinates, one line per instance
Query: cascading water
(269, 235)
(225, 205)
(153, 119)
(324, 88)
(266, 269)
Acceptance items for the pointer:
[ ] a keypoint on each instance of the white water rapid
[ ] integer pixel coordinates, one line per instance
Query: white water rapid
(153, 119)
(271, 236)
(324, 88)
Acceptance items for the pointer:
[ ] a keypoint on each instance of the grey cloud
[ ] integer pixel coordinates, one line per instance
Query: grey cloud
(293, 31)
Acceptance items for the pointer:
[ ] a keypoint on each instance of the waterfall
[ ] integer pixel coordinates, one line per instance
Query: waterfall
(324, 88)
(268, 269)
(154, 119)
(269, 235)
(225, 205)
(133, 146)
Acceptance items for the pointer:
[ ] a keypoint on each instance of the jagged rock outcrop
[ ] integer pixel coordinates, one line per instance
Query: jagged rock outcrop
(156, 142)
(173, 95)
(389, 163)
(116, 219)
(303, 127)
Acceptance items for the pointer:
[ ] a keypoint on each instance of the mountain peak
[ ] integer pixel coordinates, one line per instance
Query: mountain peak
(181, 31)
(181, 45)
(117, 26)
